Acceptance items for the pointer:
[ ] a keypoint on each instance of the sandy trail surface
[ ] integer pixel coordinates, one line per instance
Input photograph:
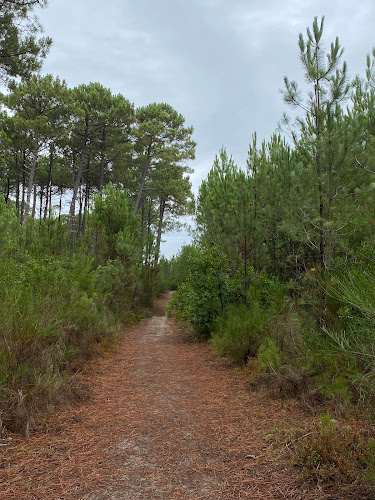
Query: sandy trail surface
(166, 420)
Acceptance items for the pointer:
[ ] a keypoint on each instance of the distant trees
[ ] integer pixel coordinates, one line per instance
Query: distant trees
(161, 137)
(74, 142)
(39, 105)
(58, 140)
(99, 127)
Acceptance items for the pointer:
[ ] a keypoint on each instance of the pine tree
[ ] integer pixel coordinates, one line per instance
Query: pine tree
(21, 53)
(160, 129)
(322, 112)
(40, 106)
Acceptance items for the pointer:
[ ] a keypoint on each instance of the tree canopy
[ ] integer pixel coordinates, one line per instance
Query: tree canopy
(21, 51)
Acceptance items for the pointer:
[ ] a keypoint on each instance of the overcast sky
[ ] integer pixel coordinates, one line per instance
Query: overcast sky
(220, 63)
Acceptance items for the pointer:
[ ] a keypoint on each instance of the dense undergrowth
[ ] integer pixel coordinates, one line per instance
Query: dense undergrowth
(58, 309)
(312, 340)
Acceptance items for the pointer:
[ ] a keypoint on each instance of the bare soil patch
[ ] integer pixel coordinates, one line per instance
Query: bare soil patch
(167, 420)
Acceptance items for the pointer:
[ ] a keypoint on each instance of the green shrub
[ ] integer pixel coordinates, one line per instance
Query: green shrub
(268, 355)
(342, 354)
(237, 332)
(49, 314)
(175, 271)
(209, 289)
(119, 286)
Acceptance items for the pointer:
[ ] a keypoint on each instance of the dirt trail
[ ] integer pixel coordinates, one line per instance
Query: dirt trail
(167, 420)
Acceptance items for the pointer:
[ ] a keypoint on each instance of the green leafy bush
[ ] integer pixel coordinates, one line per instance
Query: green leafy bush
(209, 289)
(237, 333)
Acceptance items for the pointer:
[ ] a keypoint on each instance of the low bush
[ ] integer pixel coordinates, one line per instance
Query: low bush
(338, 348)
(209, 289)
(122, 288)
(335, 451)
(237, 333)
(50, 314)
(269, 355)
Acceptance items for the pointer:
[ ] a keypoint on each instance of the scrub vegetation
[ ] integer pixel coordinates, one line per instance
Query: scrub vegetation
(281, 275)
(88, 183)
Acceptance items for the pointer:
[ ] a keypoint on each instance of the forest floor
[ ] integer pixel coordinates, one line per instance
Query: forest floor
(167, 420)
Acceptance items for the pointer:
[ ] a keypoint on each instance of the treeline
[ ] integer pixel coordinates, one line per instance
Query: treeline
(61, 146)
(88, 185)
(282, 272)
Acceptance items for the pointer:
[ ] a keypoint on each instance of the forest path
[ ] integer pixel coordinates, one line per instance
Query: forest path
(167, 420)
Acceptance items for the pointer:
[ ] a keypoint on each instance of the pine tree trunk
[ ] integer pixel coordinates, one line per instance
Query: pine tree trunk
(49, 181)
(160, 226)
(35, 192)
(41, 204)
(143, 223)
(80, 197)
(143, 179)
(255, 218)
(87, 197)
(329, 235)
(77, 183)
(50, 201)
(22, 215)
(60, 205)
(31, 180)
(319, 174)
(102, 163)
(148, 256)
(17, 187)
(8, 191)
(321, 223)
